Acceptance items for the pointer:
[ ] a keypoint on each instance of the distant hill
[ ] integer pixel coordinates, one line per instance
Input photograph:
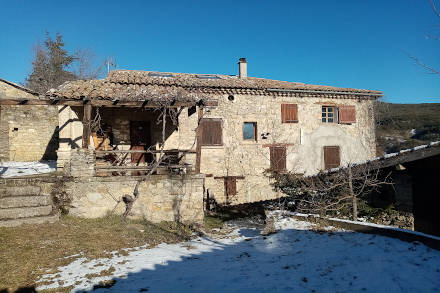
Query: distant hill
(402, 126)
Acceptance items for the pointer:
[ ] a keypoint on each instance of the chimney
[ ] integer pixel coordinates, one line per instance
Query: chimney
(242, 68)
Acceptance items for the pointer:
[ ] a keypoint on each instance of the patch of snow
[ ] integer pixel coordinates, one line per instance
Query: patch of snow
(296, 259)
(413, 131)
(14, 169)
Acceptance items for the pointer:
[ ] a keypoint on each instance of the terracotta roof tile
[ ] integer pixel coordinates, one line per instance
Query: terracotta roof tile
(133, 85)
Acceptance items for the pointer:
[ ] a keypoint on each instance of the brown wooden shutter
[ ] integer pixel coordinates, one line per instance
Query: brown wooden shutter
(230, 186)
(289, 113)
(211, 132)
(347, 114)
(332, 157)
(278, 158)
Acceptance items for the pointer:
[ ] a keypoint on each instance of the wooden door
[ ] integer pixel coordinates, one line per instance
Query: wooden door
(140, 137)
(332, 158)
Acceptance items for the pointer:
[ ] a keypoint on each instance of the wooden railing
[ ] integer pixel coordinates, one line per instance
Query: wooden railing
(119, 160)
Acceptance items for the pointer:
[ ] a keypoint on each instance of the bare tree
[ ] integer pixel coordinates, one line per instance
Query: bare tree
(167, 115)
(86, 65)
(331, 191)
(428, 68)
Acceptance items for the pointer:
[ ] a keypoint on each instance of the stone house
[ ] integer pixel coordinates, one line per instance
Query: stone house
(230, 131)
(27, 133)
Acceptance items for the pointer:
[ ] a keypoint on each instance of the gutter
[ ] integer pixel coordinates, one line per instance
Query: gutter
(324, 92)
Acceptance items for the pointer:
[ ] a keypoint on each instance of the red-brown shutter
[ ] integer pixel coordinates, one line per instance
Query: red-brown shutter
(211, 132)
(278, 158)
(289, 113)
(347, 114)
(332, 157)
(230, 186)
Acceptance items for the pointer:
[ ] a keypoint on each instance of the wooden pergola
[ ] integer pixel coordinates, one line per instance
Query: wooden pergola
(88, 104)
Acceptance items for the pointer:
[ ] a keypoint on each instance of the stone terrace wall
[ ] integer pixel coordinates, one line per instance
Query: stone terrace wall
(28, 133)
(162, 197)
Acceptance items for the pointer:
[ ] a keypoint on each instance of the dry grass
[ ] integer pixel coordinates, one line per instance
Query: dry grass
(30, 251)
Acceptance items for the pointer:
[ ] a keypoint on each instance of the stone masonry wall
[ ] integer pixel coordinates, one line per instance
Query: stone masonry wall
(28, 133)
(237, 157)
(162, 197)
(305, 139)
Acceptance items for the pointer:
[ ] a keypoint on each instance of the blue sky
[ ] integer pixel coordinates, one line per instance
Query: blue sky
(352, 43)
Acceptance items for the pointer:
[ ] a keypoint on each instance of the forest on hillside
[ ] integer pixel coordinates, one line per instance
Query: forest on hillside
(402, 126)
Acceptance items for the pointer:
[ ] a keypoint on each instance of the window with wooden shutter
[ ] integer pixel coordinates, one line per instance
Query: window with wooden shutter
(332, 157)
(347, 114)
(278, 158)
(230, 186)
(289, 113)
(211, 131)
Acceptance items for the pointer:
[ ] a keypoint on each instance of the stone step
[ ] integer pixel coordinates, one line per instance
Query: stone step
(24, 201)
(29, 221)
(19, 190)
(17, 213)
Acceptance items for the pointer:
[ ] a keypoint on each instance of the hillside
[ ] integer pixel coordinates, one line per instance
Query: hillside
(402, 126)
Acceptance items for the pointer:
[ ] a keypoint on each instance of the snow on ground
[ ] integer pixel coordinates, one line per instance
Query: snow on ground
(12, 169)
(296, 259)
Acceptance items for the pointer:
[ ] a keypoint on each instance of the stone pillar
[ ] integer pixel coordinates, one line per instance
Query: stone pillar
(82, 163)
(70, 133)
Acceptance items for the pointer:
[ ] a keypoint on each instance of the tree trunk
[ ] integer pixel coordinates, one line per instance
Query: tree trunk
(353, 195)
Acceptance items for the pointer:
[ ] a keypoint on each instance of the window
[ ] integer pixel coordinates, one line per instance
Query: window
(328, 114)
(332, 158)
(347, 114)
(250, 131)
(278, 158)
(289, 113)
(230, 186)
(211, 131)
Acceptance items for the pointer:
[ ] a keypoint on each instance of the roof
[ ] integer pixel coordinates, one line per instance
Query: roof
(135, 84)
(10, 90)
(404, 156)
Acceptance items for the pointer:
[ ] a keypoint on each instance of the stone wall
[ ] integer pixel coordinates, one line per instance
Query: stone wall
(237, 157)
(161, 198)
(305, 139)
(28, 133)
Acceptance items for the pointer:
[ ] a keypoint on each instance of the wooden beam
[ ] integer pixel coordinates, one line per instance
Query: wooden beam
(86, 125)
(199, 140)
(98, 103)
(231, 177)
(143, 151)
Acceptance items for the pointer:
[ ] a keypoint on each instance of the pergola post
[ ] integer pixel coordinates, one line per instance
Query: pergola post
(86, 125)
(199, 139)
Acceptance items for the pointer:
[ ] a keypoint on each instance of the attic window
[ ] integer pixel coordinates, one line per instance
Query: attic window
(160, 74)
(207, 76)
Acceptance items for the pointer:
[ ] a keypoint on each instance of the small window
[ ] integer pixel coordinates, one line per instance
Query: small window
(278, 158)
(332, 157)
(212, 134)
(250, 131)
(328, 114)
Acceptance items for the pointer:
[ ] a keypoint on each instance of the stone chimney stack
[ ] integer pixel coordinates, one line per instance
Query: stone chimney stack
(242, 68)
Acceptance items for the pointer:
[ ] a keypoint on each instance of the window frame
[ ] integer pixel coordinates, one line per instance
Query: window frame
(334, 112)
(255, 131)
